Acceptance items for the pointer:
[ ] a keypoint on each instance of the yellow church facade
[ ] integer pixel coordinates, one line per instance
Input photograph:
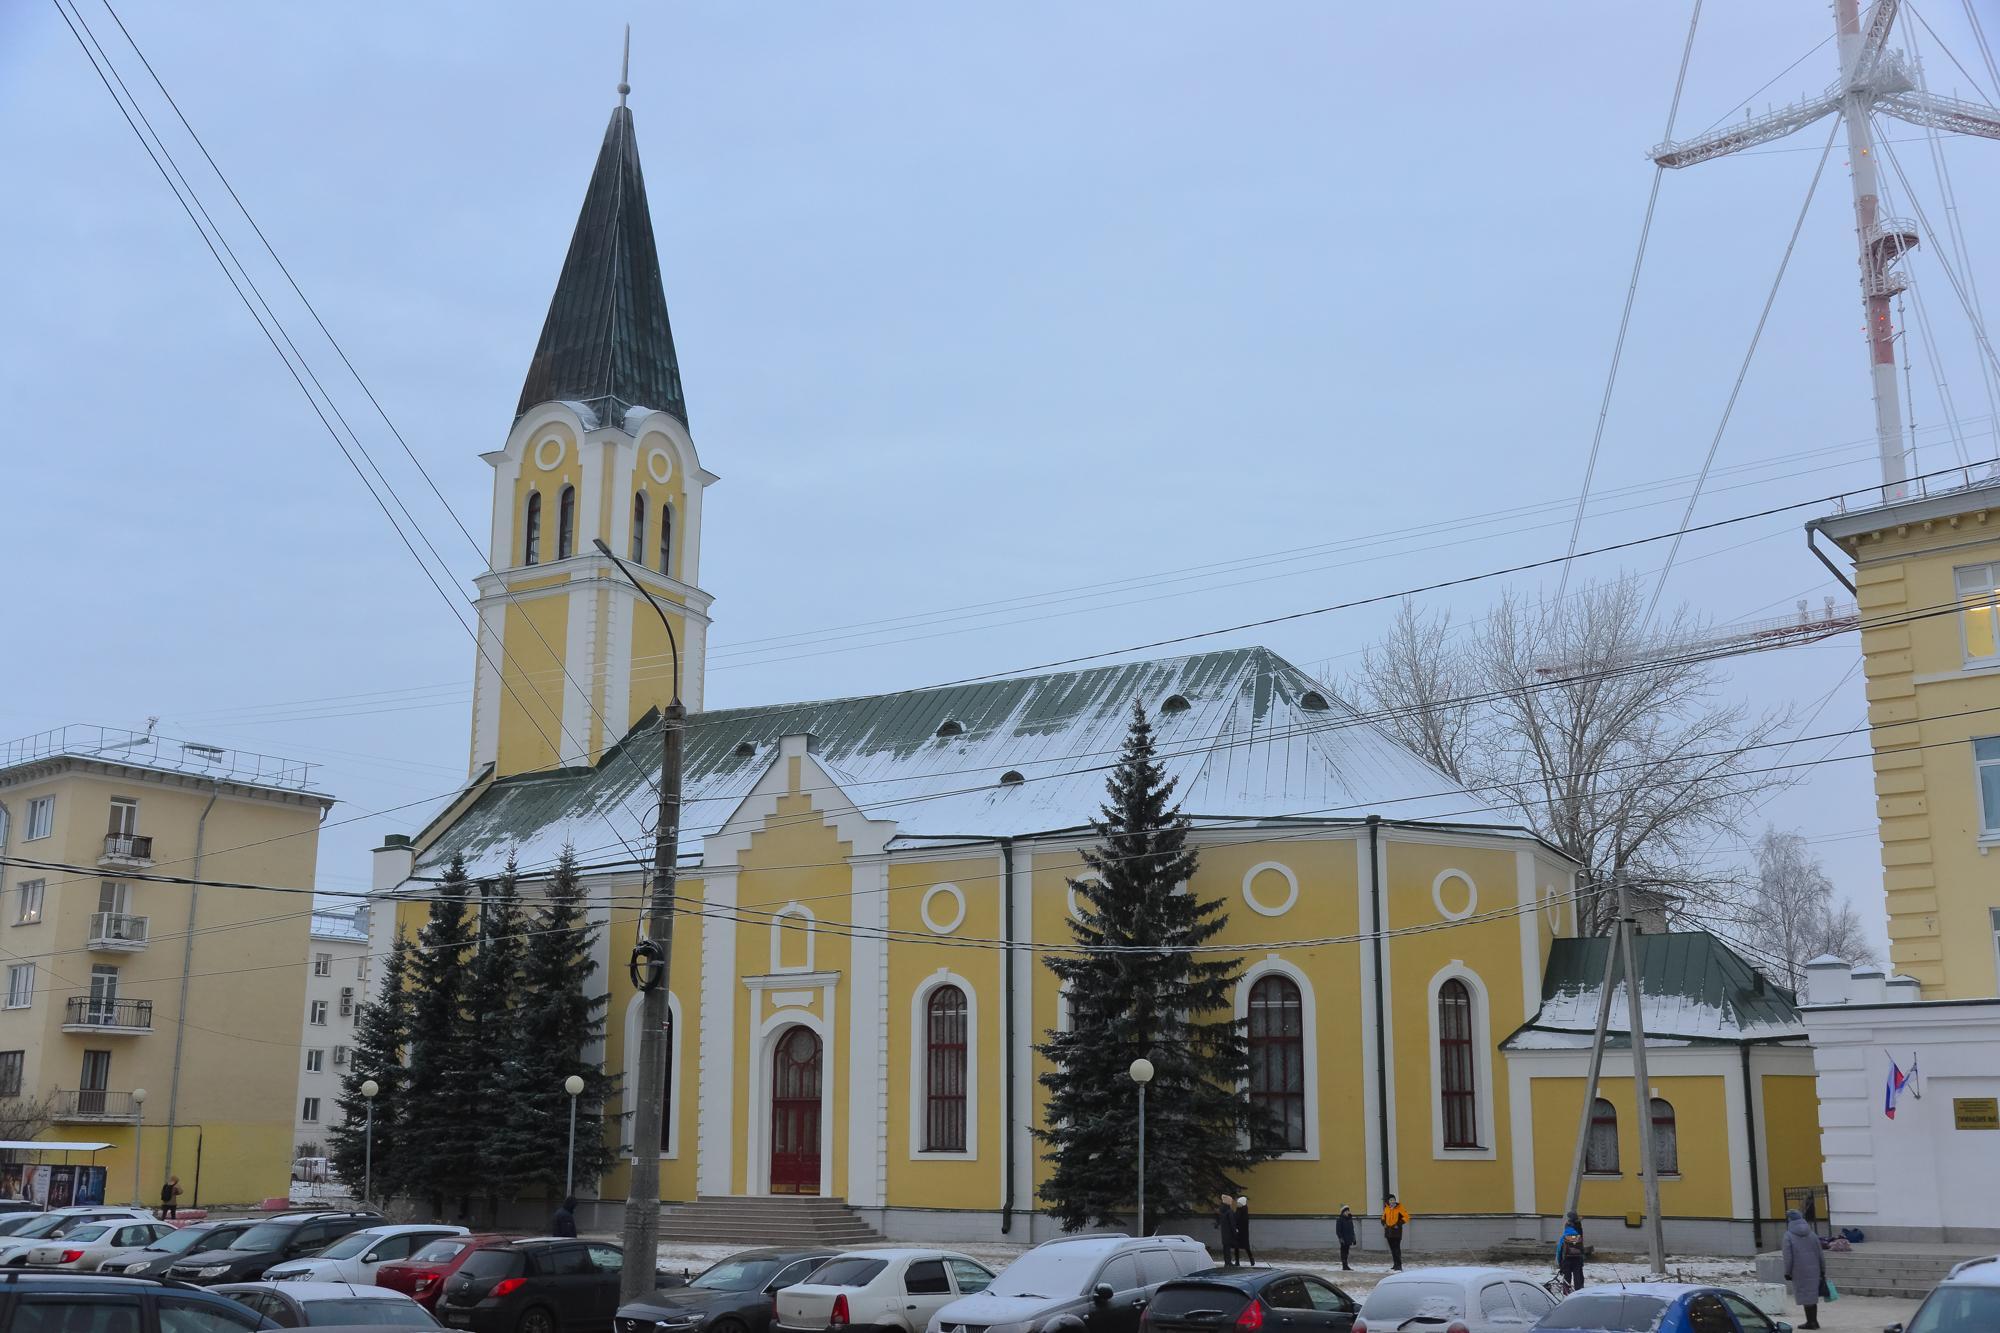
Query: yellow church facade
(869, 887)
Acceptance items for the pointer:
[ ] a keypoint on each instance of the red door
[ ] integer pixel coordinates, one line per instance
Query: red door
(795, 1075)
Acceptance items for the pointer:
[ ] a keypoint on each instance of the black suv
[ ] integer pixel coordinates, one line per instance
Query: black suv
(287, 1236)
(37, 1302)
(534, 1286)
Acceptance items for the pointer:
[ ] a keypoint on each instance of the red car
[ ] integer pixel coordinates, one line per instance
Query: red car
(421, 1276)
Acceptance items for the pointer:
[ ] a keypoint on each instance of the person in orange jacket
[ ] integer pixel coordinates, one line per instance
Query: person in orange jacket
(1394, 1218)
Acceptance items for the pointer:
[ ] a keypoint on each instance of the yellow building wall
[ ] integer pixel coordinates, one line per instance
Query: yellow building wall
(532, 672)
(1701, 1189)
(1791, 1148)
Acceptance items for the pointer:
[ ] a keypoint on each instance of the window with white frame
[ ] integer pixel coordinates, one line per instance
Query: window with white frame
(10, 1072)
(28, 901)
(316, 1062)
(361, 968)
(310, 1111)
(41, 817)
(317, 1014)
(124, 817)
(1600, 1149)
(322, 964)
(1986, 765)
(1979, 612)
(20, 985)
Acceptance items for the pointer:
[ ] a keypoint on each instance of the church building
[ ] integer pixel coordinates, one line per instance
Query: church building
(869, 885)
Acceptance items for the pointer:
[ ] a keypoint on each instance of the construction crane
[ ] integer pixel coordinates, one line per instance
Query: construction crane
(1747, 636)
(1872, 78)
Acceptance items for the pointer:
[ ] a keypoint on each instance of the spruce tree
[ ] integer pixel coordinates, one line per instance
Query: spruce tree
(492, 1035)
(562, 1019)
(442, 1148)
(1135, 990)
(381, 1035)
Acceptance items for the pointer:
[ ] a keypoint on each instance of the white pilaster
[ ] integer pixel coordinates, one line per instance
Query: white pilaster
(868, 1018)
(716, 1075)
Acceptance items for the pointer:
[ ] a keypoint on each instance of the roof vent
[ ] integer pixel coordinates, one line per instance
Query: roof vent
(1313, 701)
(951, 727)
(1176, 703)
(1012, 778)
(744, 749)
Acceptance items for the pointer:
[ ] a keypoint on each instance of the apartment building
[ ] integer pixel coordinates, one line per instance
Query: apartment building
(337, 977)
(155, 900)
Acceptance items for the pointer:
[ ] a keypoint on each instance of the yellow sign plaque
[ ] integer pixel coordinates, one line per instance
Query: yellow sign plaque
(1975, 1112)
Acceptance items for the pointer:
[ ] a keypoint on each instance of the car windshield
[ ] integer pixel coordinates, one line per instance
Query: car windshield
(265, 1236)
(91, 1232)
(737, 1275)
(48, 1224)
(349, 1246)
(1958, 1310)
(1606, 1312)
(440, 1250)
(1393, 1301)
(190, 1239)
(1056, 1270)
(851, 1272)
(401, 1314)
(15, 1223)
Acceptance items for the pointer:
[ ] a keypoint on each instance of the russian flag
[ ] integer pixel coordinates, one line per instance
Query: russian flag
(1898, 1080)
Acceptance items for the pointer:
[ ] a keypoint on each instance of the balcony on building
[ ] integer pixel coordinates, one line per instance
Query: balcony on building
(88, 1013)
(127, 849)
(118, 932)
(93, 1106)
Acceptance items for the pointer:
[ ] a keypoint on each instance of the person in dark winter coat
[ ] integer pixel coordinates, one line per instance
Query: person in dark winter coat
(1343, 1231)
(1570, 1251)
(1225, 1229)
(564, 1222)
(1805, 1266)
(1243, 1229)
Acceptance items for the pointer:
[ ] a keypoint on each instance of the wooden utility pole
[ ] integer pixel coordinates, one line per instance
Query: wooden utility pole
(1642, 1088)
(1572, 1199)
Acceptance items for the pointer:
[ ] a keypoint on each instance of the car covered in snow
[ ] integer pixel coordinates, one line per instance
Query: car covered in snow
(1455, 1300)
(882, 1290)
(1075, 1284)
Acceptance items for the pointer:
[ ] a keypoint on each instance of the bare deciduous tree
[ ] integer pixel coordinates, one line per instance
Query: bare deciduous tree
(1792, 917)
(23, 1117)
(1604, 736)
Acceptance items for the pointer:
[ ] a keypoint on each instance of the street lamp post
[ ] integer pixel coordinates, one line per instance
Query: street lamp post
(369, 1087)
(573, 1085)
(138, 1142)
(1142, 1074)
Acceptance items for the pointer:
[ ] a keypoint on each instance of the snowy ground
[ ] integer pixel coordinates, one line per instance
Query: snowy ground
(1846, 1316)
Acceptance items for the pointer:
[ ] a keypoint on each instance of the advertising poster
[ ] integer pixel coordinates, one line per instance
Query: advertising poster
(12, 1186)
(62, 1186)
(89, 1184)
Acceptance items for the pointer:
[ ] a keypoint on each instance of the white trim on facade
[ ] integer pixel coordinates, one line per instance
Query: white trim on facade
(1483, 1091)
(1250, 898)
(931, 923)
(1531, 936)
(797, 911)
(1273, 965)
(920, 1068)
(629, 1080)
(764, 1044)
(1471, 895)
(715, 1114)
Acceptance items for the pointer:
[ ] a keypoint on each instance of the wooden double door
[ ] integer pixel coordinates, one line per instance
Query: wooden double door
(796, 1074)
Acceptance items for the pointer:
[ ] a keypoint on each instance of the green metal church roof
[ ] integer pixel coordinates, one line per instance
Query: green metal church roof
(1695, 988)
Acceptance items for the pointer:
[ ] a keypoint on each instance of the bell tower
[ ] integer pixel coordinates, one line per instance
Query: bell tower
(569, 657)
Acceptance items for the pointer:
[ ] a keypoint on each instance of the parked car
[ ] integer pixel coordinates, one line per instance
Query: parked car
(316, 1304)
(287, 1236)
(85, 1249)
(1102, 1282)
(1455, 1300)
(356, 1256)
(1967, 1299)
(1662, 1307)
(48, 1301)
(735, 1295)
(60, 1222)
(546, 1285)
(157, 1258)
(422, 1276)
(1276, 1300)
(880, 1290)
(19, 1206)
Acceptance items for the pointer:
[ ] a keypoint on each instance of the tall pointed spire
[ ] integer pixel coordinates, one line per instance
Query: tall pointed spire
(606, 341)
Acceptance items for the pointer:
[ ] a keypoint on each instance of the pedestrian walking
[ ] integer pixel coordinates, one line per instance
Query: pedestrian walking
(1225, 1228)
(1394, 1218)
(1805, 1266)
(1569, 1252)
(1343, 1231)
(564, 1222)
(1243, 1229)
(170, 1194)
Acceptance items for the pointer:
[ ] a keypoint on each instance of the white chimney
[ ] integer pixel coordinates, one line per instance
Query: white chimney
(1867, 987)
(1826, 980)
(1904, 989)
(395, 859)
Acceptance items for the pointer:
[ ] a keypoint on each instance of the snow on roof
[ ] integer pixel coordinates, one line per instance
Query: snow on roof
(1692, 986)
(348, 924)
(1250, 746)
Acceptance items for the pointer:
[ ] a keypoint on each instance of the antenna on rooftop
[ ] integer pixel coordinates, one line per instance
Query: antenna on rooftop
(625, 68)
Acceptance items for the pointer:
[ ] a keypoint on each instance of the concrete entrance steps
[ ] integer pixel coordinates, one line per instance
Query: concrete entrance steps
(1883, 1268)
(800, 1219)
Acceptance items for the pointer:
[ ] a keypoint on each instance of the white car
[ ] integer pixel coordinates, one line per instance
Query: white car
(356, 1256)
(1455, 1300)
(306, 1304)
(87, 1248)
(58, 1223)
(879, 1289)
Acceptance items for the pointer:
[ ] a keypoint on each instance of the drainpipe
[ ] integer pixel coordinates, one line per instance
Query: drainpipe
(1007, 1046)
(1381, 1019)
(1750, 1137)
(187, 971)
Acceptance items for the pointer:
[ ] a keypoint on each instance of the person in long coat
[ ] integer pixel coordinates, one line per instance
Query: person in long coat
(1805, 1266)
(1343, 1231)
(1243, 1229)
(1225, 1229)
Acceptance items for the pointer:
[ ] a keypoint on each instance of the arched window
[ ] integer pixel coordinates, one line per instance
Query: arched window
(531, 546)
(566, 524)
(1600, 1151)
(1278, 1056)
(944, 1070)
(1666, 1142)
(639, 528)
(1457, 1088)
(667, 539)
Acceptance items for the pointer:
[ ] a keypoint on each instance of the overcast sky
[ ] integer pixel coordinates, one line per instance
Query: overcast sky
(973, 305)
